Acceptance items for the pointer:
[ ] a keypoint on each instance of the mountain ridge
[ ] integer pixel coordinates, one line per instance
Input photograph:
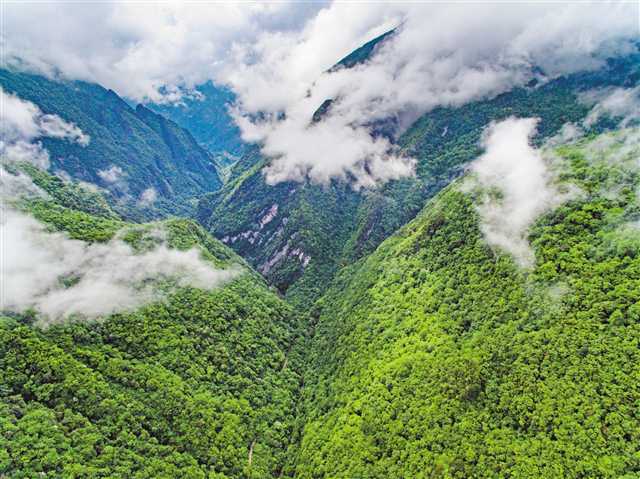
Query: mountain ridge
(234, 213)
(148, 151)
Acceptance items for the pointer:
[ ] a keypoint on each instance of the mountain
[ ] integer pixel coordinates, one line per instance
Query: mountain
(363, 53)
(205, 114)
(436, 354)
(439, 356)
(199, 384)
(480, 319)
(299, 235)
(357, 57)
(134, 148)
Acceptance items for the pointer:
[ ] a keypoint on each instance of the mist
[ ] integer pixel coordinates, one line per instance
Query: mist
(277, 58)
(22, 123)
(517, 186)
(61, 277)
(617, 103)
(440, 55)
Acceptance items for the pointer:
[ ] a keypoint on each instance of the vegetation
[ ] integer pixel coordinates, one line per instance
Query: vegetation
(364, 53)
(406, 347)
(319, 220)
(149, 150)
(196, 386)
(207, 118)
(437, 356)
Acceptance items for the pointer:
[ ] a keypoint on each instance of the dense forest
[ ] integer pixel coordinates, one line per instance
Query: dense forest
(437, 353)
(169, 310)
(196, 385)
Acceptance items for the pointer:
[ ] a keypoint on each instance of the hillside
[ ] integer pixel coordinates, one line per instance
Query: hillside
(206, 117)
(440, 356)
(194, 384)
(320, 240)
(299, 235)
(363, 53)
(130, 149)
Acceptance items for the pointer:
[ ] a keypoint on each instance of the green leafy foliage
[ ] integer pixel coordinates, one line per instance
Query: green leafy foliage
(197, 385)
(437, 356)
(67, 193)
(151, 151)
(364, 53)
(335, 226)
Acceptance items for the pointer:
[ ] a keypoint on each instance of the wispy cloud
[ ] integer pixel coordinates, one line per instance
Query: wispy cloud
(277, 56)
(59, 277)
(22, 123)
(441, 55)
(517, 186)
(147, 198)
(618, 103)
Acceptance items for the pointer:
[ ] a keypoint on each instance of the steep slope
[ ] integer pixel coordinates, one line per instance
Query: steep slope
(135, 149)
(363, 53)
(207, 119)
(305, 242)
(357, 57)
(438, 356)
(446, 139)
(196, 385)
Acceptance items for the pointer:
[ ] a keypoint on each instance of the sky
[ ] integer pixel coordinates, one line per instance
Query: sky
(276, 57)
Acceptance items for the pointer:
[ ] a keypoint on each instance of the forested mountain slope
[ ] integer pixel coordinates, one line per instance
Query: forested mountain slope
(130, 149)
(206, 116)
(195, 385)
(264, 259)
(363, 53)
(298, 235)
(440, 356)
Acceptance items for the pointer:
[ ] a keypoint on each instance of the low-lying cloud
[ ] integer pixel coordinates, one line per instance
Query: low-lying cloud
(146, 52)
(299, 152)
(59, 277)
(441, 55)
(619, 103)
(517, 185)
(147, 198)
(278, 57)
(22, 123)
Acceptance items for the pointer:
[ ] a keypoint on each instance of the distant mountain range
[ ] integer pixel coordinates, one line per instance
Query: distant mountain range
(142, 149)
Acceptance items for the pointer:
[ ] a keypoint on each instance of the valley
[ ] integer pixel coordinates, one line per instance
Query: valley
(451, 291)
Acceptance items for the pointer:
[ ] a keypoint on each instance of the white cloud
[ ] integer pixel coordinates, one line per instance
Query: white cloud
(110, 277)
(113, 174)
(523, 181)
(301, 152)
(106, 278)
(443, 54)
(569, 132)
(148, 197)
(17, 185)
(623, 103)
(275, 56)
(22, 123)
(144, 51)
